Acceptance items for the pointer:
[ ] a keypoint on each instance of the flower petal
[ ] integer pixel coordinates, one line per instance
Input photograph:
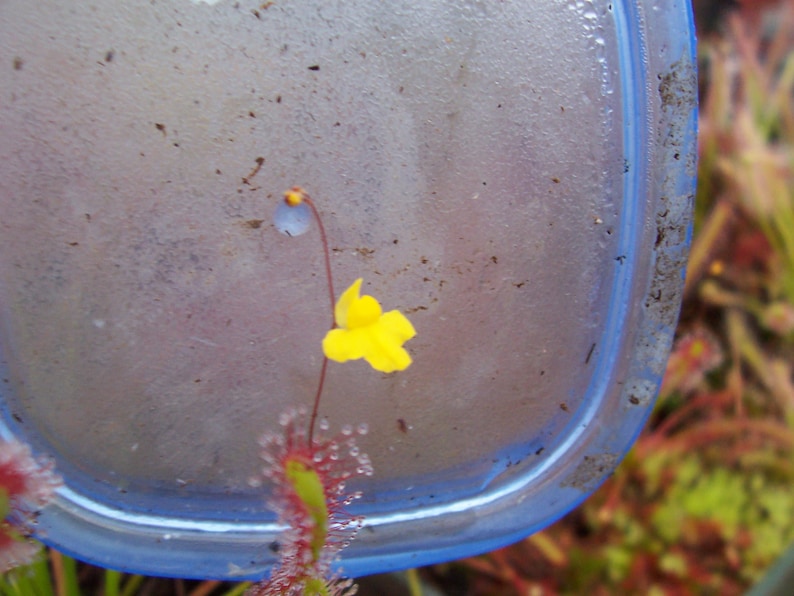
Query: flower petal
(346, 300)
(365, 332)
(363, 312)
(383, 353)
(398, 326)
(341, 345)
(383, 348)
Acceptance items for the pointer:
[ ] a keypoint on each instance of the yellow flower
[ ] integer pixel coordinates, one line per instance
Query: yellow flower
(295, 196)
(365, 331)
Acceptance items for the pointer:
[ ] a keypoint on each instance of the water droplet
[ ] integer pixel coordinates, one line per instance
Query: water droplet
(292, 221)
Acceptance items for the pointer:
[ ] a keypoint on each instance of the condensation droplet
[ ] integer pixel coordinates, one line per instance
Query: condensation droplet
(347, 430)
(292, 221)
(363, 428)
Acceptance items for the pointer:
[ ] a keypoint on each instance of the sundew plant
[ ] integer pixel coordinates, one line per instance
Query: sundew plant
(309, 467)
(27, 485)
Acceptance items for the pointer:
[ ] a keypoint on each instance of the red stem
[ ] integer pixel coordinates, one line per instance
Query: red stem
(324, 367)
(324, 239)
(316, 407)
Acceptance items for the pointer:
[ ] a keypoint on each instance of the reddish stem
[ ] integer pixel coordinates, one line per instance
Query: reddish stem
(324, 367)
(324, 239)
(316, 406)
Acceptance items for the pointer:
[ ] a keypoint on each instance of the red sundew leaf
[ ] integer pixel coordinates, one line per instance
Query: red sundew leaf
(310, 498)
(26, 485)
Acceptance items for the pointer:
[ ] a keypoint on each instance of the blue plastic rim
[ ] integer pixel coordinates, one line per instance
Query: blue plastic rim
(476, 144)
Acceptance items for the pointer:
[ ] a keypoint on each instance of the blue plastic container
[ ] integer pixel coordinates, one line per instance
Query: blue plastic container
(517, 177)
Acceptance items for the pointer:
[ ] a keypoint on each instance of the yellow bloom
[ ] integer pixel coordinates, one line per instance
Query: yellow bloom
(365, 331)
(295, 196)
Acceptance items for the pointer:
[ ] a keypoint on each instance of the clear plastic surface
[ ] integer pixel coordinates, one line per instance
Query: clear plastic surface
(517, 177)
